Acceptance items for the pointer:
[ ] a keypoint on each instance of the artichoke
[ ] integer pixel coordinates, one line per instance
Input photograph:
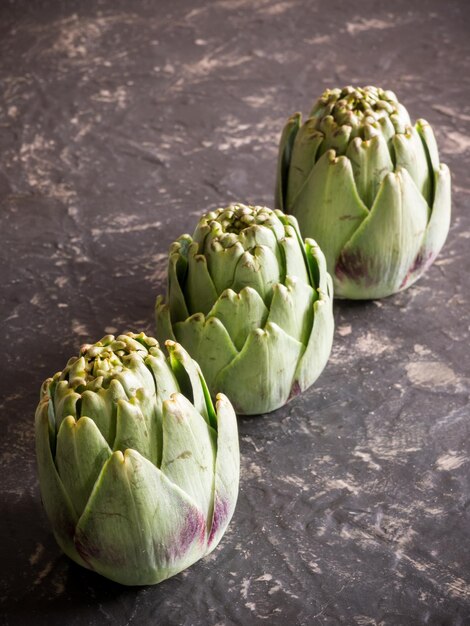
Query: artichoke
(138, 472)
(368, 186)
(252, 303)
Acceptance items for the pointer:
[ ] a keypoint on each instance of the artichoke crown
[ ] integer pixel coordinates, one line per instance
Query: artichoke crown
(243, 290)
(138, 469)
(357, 112)
(367, 184)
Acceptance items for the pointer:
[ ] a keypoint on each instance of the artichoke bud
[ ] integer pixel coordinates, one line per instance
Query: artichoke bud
(251, 301)
(134, 460)
(345, 205)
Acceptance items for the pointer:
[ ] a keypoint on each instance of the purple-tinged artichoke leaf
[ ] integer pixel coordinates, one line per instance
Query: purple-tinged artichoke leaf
(377, 258)
(437, 229)
(329, 207)
(227, 470)
(138, 527)
(189, 452)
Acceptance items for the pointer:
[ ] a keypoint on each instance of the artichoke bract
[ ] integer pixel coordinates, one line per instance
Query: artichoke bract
(252, 303)
(368, 186)
(138, 472)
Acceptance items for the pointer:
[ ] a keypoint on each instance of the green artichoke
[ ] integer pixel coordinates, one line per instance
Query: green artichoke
(368, 186)
(252, 303)
(138, 472)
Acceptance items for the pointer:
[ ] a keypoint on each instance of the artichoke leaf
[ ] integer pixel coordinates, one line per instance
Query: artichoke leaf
(370, 162)
(410, 155)
(316, 355)
(329, 207)
(259, 379)
(200, 290)
(317, 265)
(429, 141)
(177, 268)
(258, 235)
(258, 269)
(437, 229)
(240, 313)
(292, 308)
(165, 381)
(188, 375)
(164, 329)
(101, 407)
(227, 470)
(80, 454)
(58, 506)
(138, 527)
(304, 154)
(386, 127)
(209, 343)
(375, 261)
(138, 427)
(294, 261)
(285, 151)
(222, 262)
(65, 402)
(336, 137)
(135, 374)
(189, 451)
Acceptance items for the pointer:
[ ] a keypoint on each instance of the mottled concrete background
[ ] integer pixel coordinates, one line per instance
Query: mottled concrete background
(119, 123)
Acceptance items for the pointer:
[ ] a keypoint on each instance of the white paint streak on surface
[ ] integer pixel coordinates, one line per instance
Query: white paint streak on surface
(112, 230)
(362, 24)
(78, 328)
(373, 344)
(34, 558)
(43, 573)
(367, 458)
(454, 142)
(450, 461)
(245, 587)
(430, 374)
(118, 96)
(316, 569)
(339, 483)
(264, 577)
(452, 113)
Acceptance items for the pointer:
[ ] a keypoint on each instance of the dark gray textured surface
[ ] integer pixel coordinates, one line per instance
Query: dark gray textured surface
(119, 123)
